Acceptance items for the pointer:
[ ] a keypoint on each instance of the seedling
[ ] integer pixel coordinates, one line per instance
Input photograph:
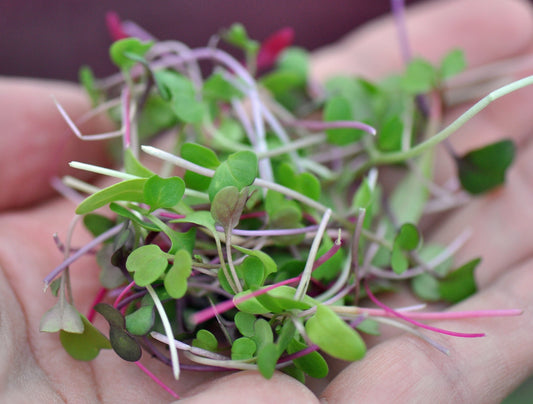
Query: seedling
(262, 234)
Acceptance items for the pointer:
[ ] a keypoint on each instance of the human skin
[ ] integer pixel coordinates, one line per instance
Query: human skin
(34, 366)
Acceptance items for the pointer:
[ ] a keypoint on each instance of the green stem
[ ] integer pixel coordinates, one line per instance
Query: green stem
(454, 126)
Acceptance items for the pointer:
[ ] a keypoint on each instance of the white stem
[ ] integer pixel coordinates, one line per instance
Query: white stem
(168, 331)
(306, 274)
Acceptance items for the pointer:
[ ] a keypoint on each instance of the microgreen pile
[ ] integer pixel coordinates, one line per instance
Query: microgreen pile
(259, 234)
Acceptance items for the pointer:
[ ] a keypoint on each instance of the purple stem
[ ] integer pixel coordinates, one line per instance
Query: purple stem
(131, 298)
(82, 251)
(299, 354)
(398, 10)
(126, 117)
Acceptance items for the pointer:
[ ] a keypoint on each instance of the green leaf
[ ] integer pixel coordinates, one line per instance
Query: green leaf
(243, 349)
(218, 88)
(141, 321)
(286, 335)
(459, 284)
(262, 333)
(237, 36)
(280, 82)
(484, 169)
(205, 340)
(245, 323)
(408, 237)
(163, 192)
(86, 78)
(178, 239)
(202, 156)
(227, 206)
(97, 224)
(420, 77)
(267, 358)
(200, 218)
(283, 214)
(296, 60)
(85, 346)
(454, 62)
(176, 277)
(133, 166)
(304, 183)
(122, 50)
(334, 336)
(313, 363)
(251, 305)
(369, 326)
(398, 260)
(253, 271)
(361, 95)
(182, 94)
(156, 116)
(338, 108)
(128, 190)
(62, 317)
(426, 287)
(125, 212)
(239, 170)
(147, 263)
(389, 138)
(281, 299)
(268, 263)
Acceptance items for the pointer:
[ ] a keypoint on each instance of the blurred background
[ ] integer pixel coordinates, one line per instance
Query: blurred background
(51, 39)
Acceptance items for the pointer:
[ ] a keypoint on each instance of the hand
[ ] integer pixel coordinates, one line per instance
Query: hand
(36, 144)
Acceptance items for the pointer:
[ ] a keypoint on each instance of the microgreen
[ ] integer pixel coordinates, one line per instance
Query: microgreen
(483, 169)
(253, 255)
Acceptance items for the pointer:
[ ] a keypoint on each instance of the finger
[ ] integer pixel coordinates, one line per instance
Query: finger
(247, 387)
(35, 142)
(483, 370)
(486, 30)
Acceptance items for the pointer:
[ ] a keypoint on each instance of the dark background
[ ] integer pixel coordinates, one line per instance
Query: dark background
(52, 38)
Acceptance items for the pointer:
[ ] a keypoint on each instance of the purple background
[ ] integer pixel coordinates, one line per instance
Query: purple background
(52, 38)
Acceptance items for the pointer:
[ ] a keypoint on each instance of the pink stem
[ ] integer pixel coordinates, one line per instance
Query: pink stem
(418, 324)
(210, 312)
(98, 298)
(123, 293)
(157, 380)
(327, 255)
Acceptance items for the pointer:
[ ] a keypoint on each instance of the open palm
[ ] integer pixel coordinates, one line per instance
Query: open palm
(35, 145)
